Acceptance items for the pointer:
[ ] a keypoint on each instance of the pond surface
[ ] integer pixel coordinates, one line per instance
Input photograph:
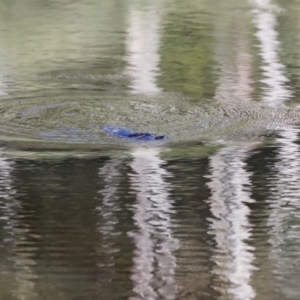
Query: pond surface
(210, 212)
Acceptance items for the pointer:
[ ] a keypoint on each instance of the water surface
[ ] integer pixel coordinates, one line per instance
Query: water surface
(211, 212)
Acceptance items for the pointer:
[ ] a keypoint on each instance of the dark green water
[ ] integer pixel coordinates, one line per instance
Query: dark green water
(213, 212)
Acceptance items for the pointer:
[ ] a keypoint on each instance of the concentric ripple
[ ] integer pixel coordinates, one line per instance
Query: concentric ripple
(78, 120)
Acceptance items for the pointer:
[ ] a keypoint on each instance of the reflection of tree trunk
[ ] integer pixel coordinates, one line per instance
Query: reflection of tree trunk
(110, 175)
(230, 226)
(143, 41)
(284, 202)
(285, 214)
(16, 236)
(275, 89)
(232, 52)
(154, 262)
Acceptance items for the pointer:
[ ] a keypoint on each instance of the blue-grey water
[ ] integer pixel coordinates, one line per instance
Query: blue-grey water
(211, 212)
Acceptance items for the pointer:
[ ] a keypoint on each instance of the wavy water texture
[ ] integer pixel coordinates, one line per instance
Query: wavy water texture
(79, 121)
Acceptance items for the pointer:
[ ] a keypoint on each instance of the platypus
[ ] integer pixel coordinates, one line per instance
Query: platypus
(130, 134)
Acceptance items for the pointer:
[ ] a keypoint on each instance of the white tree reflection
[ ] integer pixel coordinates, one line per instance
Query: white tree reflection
(154, 260)
(16, 234)
(275, 89)
(234, 58)
(285, 192)
(110, 175)
(230, 226)
(142, 43)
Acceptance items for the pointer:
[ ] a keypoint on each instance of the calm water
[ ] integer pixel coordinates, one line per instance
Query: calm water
(213, 212)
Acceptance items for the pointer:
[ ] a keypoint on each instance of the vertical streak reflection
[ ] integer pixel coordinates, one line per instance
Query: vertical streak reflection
(110, 174)
(142, 46)
(154, 261)
(16, 235)
(285, 193)
(276, 91)
(284, 218)
(235, 61)
(230, 226)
